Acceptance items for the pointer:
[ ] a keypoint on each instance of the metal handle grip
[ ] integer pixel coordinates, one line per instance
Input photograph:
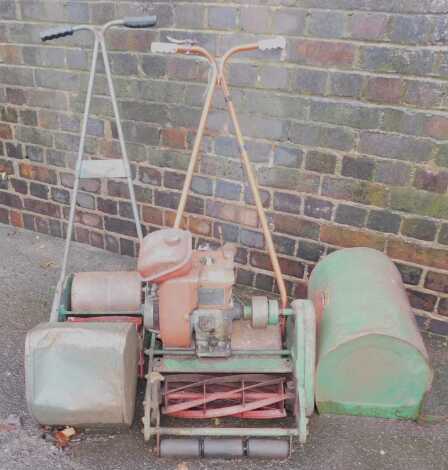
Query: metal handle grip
(56, 33)
(275, 43)
(164, 48)
(140, 21)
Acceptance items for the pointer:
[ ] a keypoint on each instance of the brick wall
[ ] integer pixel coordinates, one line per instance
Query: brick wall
(349, 132)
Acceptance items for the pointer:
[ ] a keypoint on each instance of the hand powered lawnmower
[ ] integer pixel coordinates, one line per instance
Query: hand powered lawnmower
(208, 356)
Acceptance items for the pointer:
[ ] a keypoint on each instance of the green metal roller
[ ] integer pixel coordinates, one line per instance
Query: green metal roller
(371, 359)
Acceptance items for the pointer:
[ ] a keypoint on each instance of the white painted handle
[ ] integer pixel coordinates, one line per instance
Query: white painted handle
(163, 48)
(275, 43)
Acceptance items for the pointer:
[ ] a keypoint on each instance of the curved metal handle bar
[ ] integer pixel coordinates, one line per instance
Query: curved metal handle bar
(249, 170)
(199, 51)
(219, 78)
(235, 50)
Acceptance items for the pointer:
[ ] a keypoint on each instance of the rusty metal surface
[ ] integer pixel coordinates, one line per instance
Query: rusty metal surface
(119, 291)
(247, 338)
(177, 299)
(165, 254)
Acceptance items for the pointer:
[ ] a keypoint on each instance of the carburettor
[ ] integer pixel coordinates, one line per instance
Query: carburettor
(192, 304)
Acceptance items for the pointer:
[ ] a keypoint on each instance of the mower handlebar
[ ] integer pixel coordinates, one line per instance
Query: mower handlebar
(56, 33)
(129, 22)
(140, 21)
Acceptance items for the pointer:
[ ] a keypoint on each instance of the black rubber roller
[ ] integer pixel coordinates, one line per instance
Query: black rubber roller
(267, 448)
(187, 447)
(223, 448)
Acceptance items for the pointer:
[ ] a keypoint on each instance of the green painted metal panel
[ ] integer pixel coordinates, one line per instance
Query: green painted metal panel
(238, 364)
(371, 359)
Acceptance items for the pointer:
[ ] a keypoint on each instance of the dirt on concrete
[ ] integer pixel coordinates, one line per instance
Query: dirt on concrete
(29, 267)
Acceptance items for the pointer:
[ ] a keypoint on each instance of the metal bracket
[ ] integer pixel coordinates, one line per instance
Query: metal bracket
(103, 169)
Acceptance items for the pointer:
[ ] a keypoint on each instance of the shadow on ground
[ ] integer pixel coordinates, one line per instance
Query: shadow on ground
(29, 266)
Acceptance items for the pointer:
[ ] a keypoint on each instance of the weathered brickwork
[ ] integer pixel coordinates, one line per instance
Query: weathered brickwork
(348, 131)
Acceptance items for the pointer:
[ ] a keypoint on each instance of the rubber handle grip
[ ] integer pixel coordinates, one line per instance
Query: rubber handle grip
(140, 21)
(275, 43)
(56, 33)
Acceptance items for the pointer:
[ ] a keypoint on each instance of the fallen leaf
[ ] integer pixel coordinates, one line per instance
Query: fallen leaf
(182, 466)
(69, 432)
(63, 437)
(47, 264)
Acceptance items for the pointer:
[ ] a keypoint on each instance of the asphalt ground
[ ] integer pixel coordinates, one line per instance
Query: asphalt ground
(29, 267)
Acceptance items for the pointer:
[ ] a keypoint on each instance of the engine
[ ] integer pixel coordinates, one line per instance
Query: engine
(189, 294)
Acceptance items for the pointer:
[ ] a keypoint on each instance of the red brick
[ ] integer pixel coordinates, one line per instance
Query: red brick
(42, 225)
(15, 96)
(89, 219)
(369, 26)
(19, 186)
(43, 207)
(81, 234)
(108, 206)
(4, 216)
(288, 266)
(38, 173)
(325, 53)
(97, 239)
(118, 189)
(200, 226)
(295, 226)
(442, 308)
(10, 54)
(384, 90)
(16, 218)
(152, 215)
(437, 127)
(301, 290)
(10, 200)
(416, 254)
(5, 131)
(343, 237)
(170, 217)
(431, 181)
(437, 281)
(423, 94)
(6, 167)
(421, 300)
(232, 213)
(174, 138)
(129, 40)
(150, 176)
